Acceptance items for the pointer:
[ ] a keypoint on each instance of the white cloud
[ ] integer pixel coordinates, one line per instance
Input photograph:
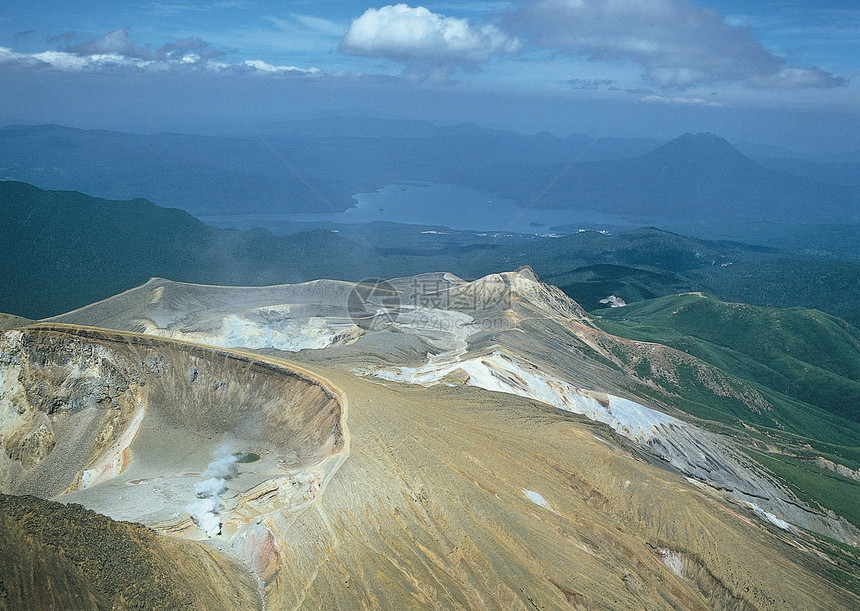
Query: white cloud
(20, 60)
(67, 62)
(792, 78)
(116, 51)
(681, 100)
(264, 67)
(417, 36)
(72, 62)
(677, 42)
(189, 46)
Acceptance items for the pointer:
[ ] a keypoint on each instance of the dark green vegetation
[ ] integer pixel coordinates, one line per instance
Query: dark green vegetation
(780, 281)
(692, 178)
(593, 283)
(804, 354)
(63, 250)
(844, 561)
(55, 556)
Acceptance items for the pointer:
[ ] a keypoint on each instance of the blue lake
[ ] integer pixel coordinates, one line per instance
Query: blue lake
(435, 204)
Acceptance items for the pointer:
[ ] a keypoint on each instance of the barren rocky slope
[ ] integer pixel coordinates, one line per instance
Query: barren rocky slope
(454, 444)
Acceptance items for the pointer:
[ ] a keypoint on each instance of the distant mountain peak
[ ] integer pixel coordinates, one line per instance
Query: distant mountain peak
(701, 141)
(701, 136)
(705, 147)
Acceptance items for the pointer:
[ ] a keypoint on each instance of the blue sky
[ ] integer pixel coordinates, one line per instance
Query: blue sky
(782, 72)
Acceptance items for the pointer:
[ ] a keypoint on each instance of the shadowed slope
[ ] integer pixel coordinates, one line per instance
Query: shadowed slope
(55, 556)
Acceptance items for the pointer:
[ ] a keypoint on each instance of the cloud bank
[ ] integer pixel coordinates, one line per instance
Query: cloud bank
(117, 51)
(417, 36)
(679, 43)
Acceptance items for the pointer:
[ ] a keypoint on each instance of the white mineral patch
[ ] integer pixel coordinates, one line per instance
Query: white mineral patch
(673, 561)
(613, 301)
(12, 398)
(536, 498)
(769, 517)
(264, 328)
(501, 372)
(445, 330)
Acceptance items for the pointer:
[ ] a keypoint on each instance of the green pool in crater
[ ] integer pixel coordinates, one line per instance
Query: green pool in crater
(246, 457)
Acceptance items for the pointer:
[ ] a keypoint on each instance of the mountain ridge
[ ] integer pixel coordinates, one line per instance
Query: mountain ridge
(700, 177)
(644, 181)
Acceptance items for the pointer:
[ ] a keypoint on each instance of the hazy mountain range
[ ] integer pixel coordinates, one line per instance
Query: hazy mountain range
(698, 178)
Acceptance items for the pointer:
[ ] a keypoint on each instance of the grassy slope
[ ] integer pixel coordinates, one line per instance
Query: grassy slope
(804, 354)
(826, 284)
(815, 485)
(806, 363)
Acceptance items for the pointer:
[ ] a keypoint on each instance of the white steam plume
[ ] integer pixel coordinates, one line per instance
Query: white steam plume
(206, 511)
